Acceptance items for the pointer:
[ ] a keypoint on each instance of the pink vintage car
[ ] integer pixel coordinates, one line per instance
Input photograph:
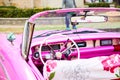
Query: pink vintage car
(80, 54)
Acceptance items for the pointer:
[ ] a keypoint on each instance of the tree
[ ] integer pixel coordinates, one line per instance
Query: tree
(117, 2)
(101, 0)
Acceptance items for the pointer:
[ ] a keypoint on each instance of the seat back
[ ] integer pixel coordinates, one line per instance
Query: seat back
(98, 68)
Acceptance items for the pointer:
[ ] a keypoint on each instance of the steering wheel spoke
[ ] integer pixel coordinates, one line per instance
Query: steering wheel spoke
(68, 48)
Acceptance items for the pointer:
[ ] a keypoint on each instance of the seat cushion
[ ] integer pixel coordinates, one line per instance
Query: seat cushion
(98, 68)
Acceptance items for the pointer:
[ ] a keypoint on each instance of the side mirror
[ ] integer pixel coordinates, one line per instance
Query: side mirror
(11, 37)
(89, 19)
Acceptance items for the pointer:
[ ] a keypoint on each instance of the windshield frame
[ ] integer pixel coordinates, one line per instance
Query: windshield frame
(30, 24)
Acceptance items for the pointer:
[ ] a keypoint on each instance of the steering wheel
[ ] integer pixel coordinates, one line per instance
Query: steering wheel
(62, 51)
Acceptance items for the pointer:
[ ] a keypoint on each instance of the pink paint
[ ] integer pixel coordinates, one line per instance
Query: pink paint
(14, 67)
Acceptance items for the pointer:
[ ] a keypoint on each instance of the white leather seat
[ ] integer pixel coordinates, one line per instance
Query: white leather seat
(99, 68)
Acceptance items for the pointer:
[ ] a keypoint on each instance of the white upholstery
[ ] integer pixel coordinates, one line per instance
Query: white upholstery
(99, 68)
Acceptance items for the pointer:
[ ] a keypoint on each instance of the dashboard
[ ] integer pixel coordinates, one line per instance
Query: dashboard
(85, 47)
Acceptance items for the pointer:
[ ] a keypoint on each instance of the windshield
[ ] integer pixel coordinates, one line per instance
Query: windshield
(54, 20)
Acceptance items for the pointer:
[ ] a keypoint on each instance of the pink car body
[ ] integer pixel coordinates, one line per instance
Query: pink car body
(19, 61)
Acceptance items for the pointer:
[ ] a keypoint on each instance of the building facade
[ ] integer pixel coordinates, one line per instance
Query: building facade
(37, 3)
(96, 1)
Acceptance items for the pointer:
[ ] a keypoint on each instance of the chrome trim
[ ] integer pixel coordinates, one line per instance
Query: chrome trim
(27, 38)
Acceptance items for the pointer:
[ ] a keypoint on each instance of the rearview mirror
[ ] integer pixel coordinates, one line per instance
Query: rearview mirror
(90, 19)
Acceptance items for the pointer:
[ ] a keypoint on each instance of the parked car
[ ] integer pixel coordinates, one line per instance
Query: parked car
(80, 54)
